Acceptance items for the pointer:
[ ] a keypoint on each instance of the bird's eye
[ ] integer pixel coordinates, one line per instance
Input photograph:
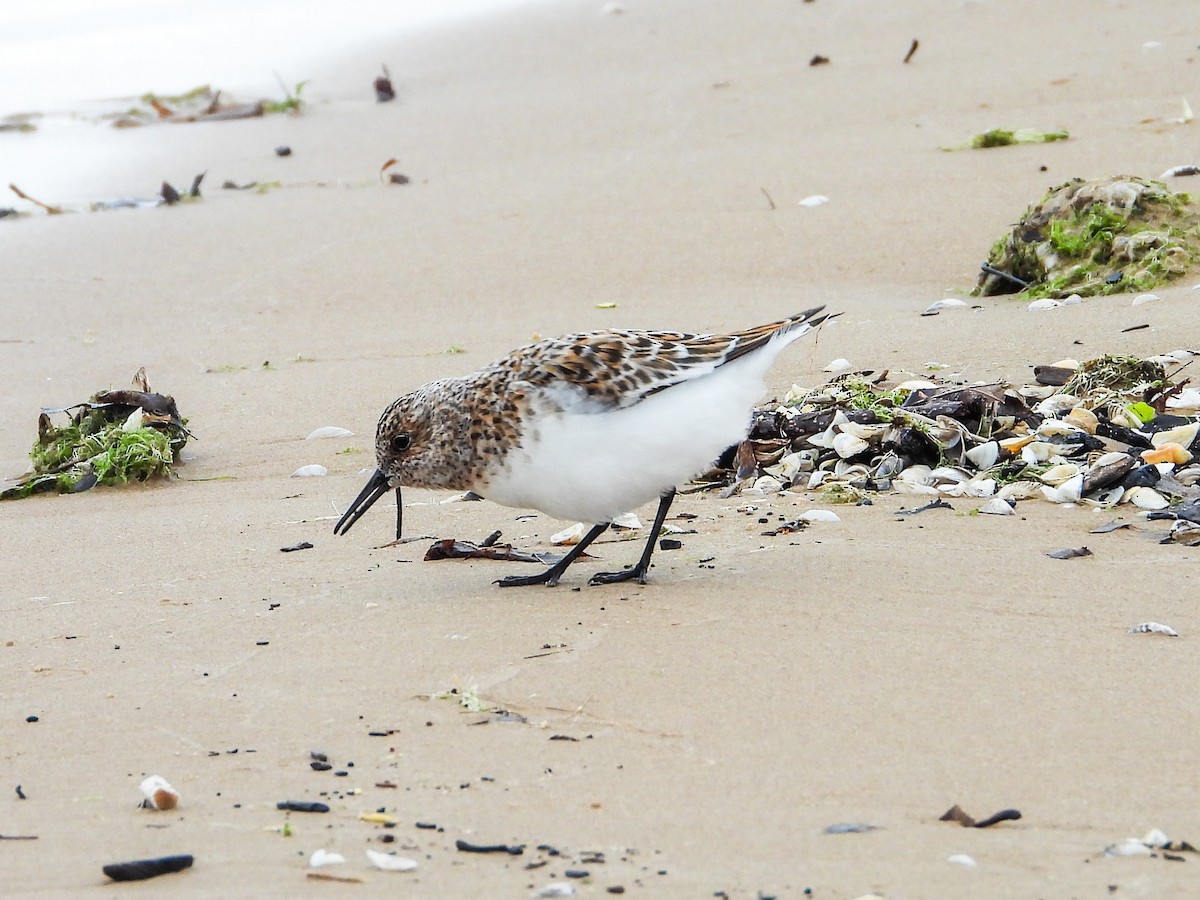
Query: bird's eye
(401, 442)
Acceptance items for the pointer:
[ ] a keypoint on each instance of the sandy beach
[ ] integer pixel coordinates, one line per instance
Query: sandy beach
(573, 168)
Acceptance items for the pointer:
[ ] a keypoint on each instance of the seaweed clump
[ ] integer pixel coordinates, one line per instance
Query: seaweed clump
(1096, 237)
(116, 437)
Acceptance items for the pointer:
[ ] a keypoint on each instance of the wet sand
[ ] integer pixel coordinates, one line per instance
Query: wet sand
(759, 689)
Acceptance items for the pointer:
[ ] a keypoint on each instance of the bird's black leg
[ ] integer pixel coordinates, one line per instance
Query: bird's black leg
(642, 569)
(550, 576)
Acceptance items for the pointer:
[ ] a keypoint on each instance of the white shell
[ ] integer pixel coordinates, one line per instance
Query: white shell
(815, 200)
(1183, 435)
(1145, 498)
(1056, 475)
(158, 793)
(1154, 628)
(313, 471)
(1187, 399)
(768, 484)
(961, 859)
(979, 486)
(985, 455)
(1072, 300)
(818, 515)
(848, 445)
(328, 431)
(916, 475)
(948, 303)
(915, 384)
(839, 365)
(1083, 418)
(1144, 298)
(787, 468)
(900, 486)
(556, 889)
(627, 520)
(325, 858)
(390, 863)
(1156, 838)
(1127, 847)
(949, 475)
(570, 535)
(996, 507)
(1057, 404)
(1057, 428)
(1067, 492)
(1018, 490)
(133, 422)
(1044, 303)
(865, 432)
(1039, 452)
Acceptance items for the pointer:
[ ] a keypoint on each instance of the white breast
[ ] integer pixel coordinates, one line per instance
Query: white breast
(592, 466)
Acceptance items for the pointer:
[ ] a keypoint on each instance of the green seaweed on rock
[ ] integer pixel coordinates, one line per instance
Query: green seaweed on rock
(1097, 237)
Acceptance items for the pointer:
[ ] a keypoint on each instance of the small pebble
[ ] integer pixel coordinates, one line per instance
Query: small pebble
(283, 151)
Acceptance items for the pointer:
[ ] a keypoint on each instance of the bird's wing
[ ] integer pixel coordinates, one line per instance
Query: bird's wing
(602, 370)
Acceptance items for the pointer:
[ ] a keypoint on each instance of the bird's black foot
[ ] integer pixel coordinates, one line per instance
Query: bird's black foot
(549, 578)
(633, 573)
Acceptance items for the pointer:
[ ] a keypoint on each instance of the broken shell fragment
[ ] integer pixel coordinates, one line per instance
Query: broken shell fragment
(1019, 490)
(1128, 847)
(1145, 498)
(1184, 435)
(158, 793)
(1169, 452)
(819, 515)
(328, 431)
(839, 365)
(1040, 452)
(311, 471)
(1068, 492)
(997, 507)
(871, 432)
(787, 468)
(1057, 475)
(389, 862)
(1057, 404)
(767, 484)
(984, 456)
(1044, 304)
(325, 858)
(847, 445)
(570, 535)
(1083, 418)
(948, 303)
(1153, 628)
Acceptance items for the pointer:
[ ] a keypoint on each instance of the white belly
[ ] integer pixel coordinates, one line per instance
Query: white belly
(593, 466)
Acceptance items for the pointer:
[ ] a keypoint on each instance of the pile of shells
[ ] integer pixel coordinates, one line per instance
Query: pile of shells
(1104, 432)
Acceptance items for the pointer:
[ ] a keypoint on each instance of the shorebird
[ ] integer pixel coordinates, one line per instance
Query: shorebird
(583, 427)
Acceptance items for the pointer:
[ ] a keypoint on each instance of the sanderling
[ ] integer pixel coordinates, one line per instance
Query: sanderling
(583, 427)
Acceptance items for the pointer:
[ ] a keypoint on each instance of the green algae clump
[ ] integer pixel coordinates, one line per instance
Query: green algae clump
(116, 437)
(1096, 237)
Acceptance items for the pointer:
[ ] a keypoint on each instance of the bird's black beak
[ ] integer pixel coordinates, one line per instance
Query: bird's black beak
(376, 487)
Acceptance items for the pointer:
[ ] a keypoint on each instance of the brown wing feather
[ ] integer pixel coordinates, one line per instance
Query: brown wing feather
(619, 368)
